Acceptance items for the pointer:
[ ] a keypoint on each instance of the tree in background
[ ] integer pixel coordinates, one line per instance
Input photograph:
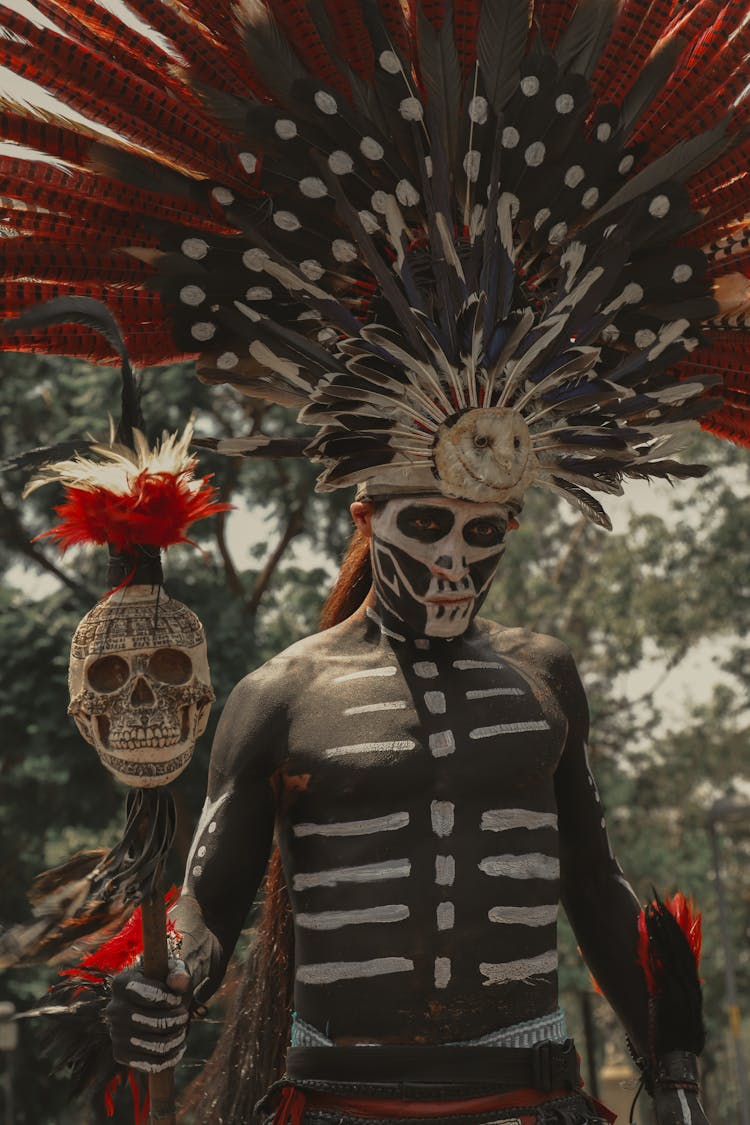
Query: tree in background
(640, 599)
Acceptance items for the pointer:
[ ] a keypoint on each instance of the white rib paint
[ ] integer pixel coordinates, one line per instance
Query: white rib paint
(370, 748)
(467, 665)
(487, 693)
(383, 628)
(337, 919)
(523, 915)
(388, 705)
(445, 870)
(425, 669)
(442, 815)
(442, 972)
(367, 673)
(445, 915)
(388, 823)
(435, 702)
(509, 728)
(687, 1115)
(326, 972)
(442, 743)
(533, 865)
(364, 873)
(503, 820)
(518, 970)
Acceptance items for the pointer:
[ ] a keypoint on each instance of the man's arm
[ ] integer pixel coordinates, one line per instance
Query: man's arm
(598, 901)
(600, 904)
(227, 860)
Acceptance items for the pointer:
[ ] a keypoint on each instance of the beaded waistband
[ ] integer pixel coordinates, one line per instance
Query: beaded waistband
(551, 1027)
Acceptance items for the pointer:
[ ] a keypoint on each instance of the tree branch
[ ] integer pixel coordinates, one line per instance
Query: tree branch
(234, 582)
(16, 539)
(295, 525)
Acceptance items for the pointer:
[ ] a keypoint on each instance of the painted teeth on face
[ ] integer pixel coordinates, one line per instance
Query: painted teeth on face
(434, 560)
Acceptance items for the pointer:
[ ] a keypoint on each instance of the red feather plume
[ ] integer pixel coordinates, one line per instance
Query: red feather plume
(132, 498)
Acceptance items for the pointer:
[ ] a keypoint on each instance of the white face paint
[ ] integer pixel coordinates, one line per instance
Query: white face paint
(434, 560)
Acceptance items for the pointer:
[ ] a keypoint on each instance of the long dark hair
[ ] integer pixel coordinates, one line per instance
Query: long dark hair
(251, 1052)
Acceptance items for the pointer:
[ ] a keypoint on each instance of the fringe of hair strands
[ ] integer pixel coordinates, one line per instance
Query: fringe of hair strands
(251, 1052)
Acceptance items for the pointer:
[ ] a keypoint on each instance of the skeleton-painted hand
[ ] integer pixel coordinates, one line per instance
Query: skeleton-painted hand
(148, 1019)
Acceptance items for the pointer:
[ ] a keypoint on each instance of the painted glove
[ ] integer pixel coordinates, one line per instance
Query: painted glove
(148, 1019)
(675, 1092)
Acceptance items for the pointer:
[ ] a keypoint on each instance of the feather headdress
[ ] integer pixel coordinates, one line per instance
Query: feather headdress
(480, 244)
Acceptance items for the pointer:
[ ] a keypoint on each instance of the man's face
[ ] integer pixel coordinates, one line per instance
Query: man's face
(434, 559)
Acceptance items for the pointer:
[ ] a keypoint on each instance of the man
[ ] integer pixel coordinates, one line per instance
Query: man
(426, 773)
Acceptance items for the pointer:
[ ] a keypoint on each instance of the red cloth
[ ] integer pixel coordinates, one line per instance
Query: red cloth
(293, 1103)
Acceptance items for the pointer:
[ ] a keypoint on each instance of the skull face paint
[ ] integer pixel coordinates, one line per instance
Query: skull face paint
(434, 560)
(140, 688)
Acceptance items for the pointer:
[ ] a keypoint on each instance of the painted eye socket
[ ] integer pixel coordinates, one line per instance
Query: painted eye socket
(516, 443)
(423, 523)
(481, 441)
(484, 533)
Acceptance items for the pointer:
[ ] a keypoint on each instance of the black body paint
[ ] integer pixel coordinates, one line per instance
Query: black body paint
(401, 772)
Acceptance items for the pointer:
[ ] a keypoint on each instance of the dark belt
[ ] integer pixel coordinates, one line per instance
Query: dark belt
(423, 1073)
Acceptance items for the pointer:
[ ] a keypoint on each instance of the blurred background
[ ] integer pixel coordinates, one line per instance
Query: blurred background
(657, 615)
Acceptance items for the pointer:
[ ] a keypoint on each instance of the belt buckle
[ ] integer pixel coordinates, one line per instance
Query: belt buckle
(541, 1066)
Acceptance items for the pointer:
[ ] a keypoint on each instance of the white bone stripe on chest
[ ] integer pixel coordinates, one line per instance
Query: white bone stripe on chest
(488, 693)
(523, 915)
(503, 820)
(387, 705)
(435, 702)
(388, 823)
(442, 816)
(364, 873)
(445, 870)
(530, 866)
(442, 743)
(329, 971)
(467, 665)
(369, 748)
(518, 970)
(509, 728)
(337, 919)
(367, 673)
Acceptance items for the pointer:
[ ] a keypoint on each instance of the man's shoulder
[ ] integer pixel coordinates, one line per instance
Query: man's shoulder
(284, 673)
(523, 646)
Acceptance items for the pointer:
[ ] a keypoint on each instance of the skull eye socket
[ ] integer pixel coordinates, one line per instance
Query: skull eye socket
(170, 666)
(108, 673)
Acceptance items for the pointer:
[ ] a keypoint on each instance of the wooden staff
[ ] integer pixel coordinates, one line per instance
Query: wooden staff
(155, 965)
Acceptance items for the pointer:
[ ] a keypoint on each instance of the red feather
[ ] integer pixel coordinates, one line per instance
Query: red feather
(156, 512)
(683, 911)
(120, 951)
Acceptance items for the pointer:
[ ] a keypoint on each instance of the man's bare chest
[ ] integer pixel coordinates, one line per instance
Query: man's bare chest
(431, 720)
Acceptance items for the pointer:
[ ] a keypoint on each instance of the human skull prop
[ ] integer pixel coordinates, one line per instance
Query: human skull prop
(140, 686)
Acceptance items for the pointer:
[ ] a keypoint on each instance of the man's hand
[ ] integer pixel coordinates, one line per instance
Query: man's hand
(148, 1019)
(678, 1107)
